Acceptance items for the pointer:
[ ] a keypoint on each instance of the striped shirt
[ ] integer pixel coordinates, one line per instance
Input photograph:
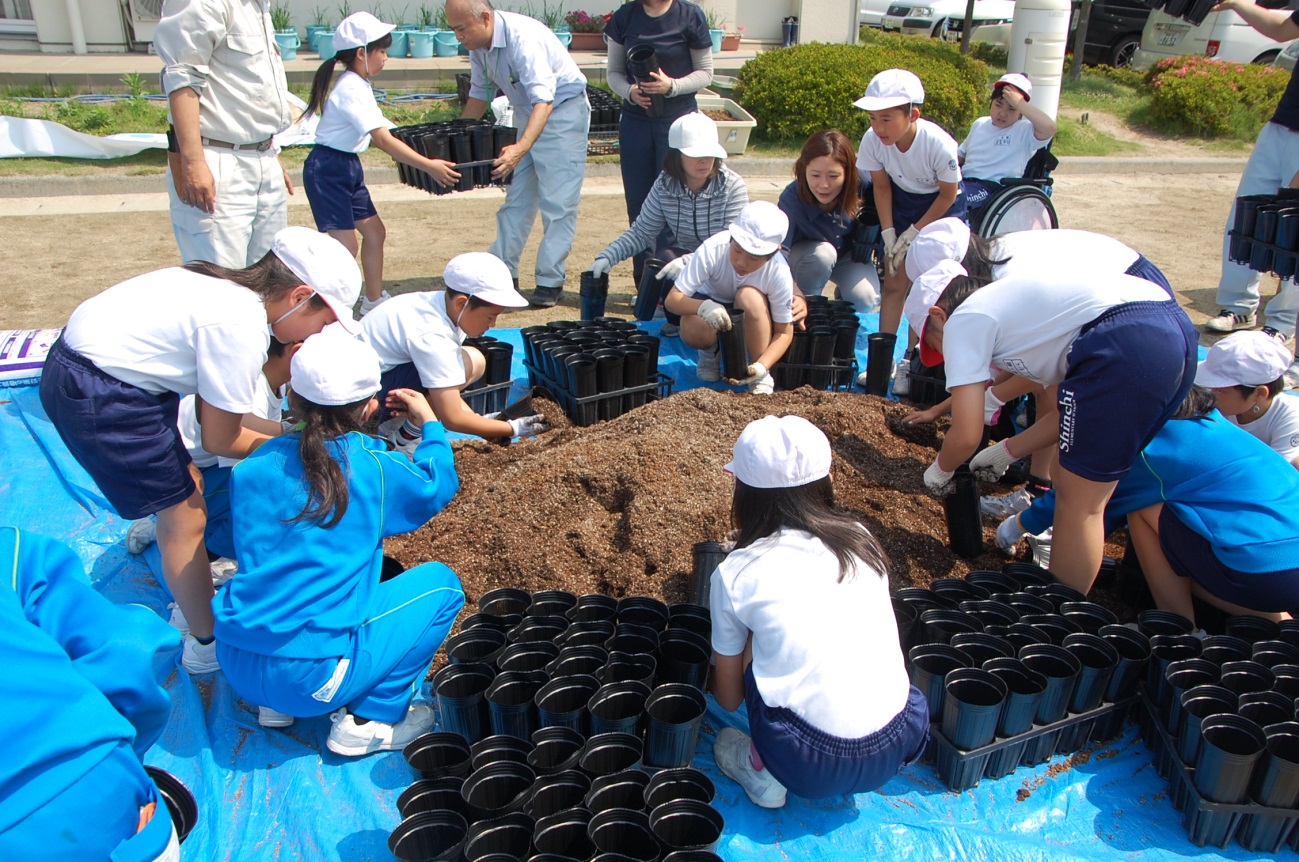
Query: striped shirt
(690, 217)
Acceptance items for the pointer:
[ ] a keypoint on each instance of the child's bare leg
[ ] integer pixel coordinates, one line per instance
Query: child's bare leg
(696, 333)
(1171, 591)
(184, 561)
(373, 234)
(894, 294)
(1078, 537)
(757, 320)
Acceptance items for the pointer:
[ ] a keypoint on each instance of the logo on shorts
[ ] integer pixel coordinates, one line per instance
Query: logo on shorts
(1067, 408)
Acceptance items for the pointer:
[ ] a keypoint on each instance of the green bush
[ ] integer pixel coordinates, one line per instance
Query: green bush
(990, 54)
(793, 92)
(1198, 96)
(1126, 77)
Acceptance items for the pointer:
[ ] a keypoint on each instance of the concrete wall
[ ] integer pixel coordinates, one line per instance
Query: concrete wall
(101, 21)
(827, 21)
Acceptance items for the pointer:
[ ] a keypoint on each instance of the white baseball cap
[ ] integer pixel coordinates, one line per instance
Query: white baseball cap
(332, 368)
(325, 266)
(1243, 359)
(1016, 80)
(358, 30)
(780, 452)
(892, 88)
(944, 239)
(760, 228)
(695, 135)
(925, 291)
(485, 276)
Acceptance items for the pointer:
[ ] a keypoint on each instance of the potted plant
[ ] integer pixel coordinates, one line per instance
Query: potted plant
(286, 36)
(716, 27)
(587, 30)
(319, 24)
(553, 17)
(731, 41)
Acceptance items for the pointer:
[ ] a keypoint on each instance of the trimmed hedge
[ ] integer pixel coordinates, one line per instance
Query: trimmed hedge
(793, 92)
(1209, 98)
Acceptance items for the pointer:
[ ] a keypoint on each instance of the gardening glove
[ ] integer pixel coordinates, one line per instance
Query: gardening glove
(991, 406)
(715, 315)
(898, 252)
(938, 480)
(528, 426)
(990, 464)
(600, 267)
(888, 236)
(755, 371)
(1009, 534)
(673, 268)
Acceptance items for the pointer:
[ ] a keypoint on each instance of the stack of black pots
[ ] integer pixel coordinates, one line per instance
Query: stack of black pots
(1192, 12)
(596, 369)
(1265, 232)
(823, 354)
(471, 144)
(1220, 716)
(606, 113)
(569, 726)
(1017, 668)
(488, 393)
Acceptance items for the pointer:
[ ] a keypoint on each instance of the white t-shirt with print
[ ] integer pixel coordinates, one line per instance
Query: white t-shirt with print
(991, 153)
(349, 115)
(709, 272)
(930, 160)
(1278, 427)
(414, 327)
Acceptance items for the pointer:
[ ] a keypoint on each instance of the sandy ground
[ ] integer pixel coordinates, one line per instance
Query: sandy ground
(56, 251)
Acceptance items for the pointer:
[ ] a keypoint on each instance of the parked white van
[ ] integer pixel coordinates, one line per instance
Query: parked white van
(1223, 35)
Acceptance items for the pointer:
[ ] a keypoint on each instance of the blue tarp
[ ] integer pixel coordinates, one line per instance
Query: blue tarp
(268, 795)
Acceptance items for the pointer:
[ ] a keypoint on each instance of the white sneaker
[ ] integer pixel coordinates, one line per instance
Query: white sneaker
(710, 365)
(223, 569)
(1004, 506)
(368, 305)
(350, 739)
(1229, 321)
(1286, 341)
(268, 717)
(731, 751)
(199, 658)
(140, 535)
(902, 376)
(177, 619)
(1291, 376)
(764, 385)
(1040, 545)
(862, 378)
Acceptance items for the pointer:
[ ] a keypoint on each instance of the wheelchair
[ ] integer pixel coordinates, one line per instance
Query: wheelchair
(1022, 203)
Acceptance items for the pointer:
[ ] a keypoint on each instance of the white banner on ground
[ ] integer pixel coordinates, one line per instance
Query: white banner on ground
(25, 138)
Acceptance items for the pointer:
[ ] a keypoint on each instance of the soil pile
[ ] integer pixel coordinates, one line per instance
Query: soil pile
(615, 508)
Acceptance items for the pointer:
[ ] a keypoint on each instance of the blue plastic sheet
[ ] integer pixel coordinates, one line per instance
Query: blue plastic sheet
(269, 795)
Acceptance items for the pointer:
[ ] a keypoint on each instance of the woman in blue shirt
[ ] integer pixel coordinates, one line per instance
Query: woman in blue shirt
(822, 205)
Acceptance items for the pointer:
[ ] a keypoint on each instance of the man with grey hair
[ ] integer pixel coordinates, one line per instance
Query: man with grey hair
(522, 58)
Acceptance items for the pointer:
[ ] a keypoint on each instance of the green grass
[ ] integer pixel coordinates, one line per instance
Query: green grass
(1079, 139)
(1094, 92)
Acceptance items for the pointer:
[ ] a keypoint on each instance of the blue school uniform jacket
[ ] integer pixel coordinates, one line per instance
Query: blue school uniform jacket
(303, 590)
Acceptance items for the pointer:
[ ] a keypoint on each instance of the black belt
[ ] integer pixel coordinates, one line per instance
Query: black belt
(259, 146)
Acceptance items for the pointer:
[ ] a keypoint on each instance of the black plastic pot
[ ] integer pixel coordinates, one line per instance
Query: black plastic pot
(594, 291)
(438, 754)
(608, 378)
(1276, 785)
(588, 634)
(707, 556)
(1287, 679)
(675, 712)
(990, 612)
(1252, 629)
(504, 601)
(430, 836)
(959, 590)
(527, 657)
(1133, 649)
(649, 291)
(1266, 708)
(671, 785)
(652, 343)
(624, 789)
(1089, 616)
(930, 665)
(691, 617)
(432, 794)
(461, 695)
(686, 824)
(1061, 669)
(625, 667)
(561, 703)
(1024, 688)
(1275, 652)
(923, 600)
(1027, 603)
(1056, 627)
(692, 856)
(618, 707)
(607, 753)
(503, 624)
(992, 581)
(551, 603)
(510, 703)
(626, 832)
(1164, 650)
(1183, 676)
(565, 835)
(633, 639)
(879, 362)
(584, 660)
(559, 791)
(981, 647)
(735, 356)
(643, 611)
(509, 834)
(1157, 622)
(1057, 594)
(642, 63)
(1221, 649)
(1243, 677)
(179, 799)
(683, 657)
(1021, 635)
(1098, 660)
(1231, 747)
(907, 620)
(499, 749)
(1027, 574)
(972, 707)
(939, 626)
(479, 645)
(1198, 704)
(593, 608)
(845, 337)
(496, 789)
(635, 370)
(579, 372)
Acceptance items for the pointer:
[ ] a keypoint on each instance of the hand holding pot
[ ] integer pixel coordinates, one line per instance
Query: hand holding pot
(938, 480)
(508, 160)
(798, 309)
(990, 464)
(600, 267)
(529, 426)
(1008, 535)
(715, 315)
(898, 251)
(670, 270)
(752, 373)
(444, 173)
(414, 405)
(656, 84)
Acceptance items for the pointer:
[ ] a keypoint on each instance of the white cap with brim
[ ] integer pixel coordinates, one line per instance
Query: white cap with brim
(484, 275)
(925, 291)
(1243, 359)
(695, 136)
(332, 369)
(944, 239)
(760, 228)
(780, 452)
(325, 266)
(1018, 81)
(358, 30)
(892, 88)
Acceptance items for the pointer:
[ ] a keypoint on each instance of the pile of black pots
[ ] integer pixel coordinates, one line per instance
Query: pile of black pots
(569, 726)
(471, 144)
(180, 801)
(1016, 669)
(606, 113)
(1220, 716)
(488, 393)
(596, 369)
(1192, 12)
(1265, 232)
(823, 353)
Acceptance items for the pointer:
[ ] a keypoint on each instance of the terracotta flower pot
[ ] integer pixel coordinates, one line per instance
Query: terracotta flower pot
(587, 42)
(731, 42)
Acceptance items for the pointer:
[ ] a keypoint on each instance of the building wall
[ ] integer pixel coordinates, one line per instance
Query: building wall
(101, 21)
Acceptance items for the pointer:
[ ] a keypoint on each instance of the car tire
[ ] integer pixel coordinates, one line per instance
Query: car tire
(1120, 56)
(1266, 58)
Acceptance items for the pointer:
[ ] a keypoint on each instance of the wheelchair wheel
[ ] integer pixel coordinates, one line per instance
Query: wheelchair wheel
(1017, 208)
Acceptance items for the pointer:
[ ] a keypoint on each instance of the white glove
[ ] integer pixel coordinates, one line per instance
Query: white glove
(715, 315)
(938, 480)
(991, 405)
(1009, 533)
(672, 268)
(755, 371)
(600, 267)
(528, 426)
(888, 236)
(898, 253)
(990, 464)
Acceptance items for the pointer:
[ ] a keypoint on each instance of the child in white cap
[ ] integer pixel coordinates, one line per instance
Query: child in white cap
(912, 167)
(350, 120)
(739, 268)
(419, 338)
(112, 382)
(307, 627)
(804, 632)
(1245, 370)
(1000, 144)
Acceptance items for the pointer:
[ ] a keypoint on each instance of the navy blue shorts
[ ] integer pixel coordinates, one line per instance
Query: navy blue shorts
(1192, 556)
(978, 194)
(404, 376)
(124, 437)
(219, 534)
(908, 207)
(1143, 268)
(814, 765)
(335, 185)
(1128, 371)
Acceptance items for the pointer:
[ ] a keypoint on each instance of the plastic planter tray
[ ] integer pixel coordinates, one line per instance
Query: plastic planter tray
(839, 375)
(586, 410)
(1276, 249)
(732, 134)
(602, 140)
(1208, 822)
(962, 770)
(489, 398)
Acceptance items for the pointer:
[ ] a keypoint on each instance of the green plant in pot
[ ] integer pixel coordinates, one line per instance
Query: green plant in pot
(282, 19)
(716, 27)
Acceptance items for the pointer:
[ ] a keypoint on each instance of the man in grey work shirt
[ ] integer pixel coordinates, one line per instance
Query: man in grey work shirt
(522, 58)
(225, 84)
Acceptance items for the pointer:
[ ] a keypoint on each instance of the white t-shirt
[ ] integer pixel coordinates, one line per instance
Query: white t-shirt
(1025, 324)
(177, 331)
(710, 272)
(414, 327)
(826, 650)
(1278, 427)
(349, 115)
(269, 406)
(1046, 252)
(930, 160)
(991, 153)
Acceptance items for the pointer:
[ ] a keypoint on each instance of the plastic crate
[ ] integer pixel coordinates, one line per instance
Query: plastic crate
(602, 141)
(586, 410)
(841, 374)
(487, 398)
